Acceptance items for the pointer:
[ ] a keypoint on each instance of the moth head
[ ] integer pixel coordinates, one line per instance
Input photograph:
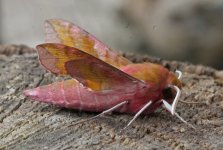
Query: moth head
(169, 93)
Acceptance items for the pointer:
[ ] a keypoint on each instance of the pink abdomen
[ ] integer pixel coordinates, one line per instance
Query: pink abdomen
(71, 94)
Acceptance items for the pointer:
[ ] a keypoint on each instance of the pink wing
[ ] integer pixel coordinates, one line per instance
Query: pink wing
(87, 69)
(66, 33)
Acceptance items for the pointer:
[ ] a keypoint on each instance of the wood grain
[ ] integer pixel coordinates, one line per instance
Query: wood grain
(26, 124)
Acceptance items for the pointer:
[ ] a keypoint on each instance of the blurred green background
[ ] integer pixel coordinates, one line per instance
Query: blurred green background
(186, 30)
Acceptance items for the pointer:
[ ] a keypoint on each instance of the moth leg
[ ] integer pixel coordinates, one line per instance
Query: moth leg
(138, 113)
(113, 108)
(175, 101)
(172, 108)
(178, 116)
(103, 113)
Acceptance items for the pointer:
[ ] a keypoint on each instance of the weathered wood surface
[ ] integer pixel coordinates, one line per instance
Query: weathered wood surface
(26, 124)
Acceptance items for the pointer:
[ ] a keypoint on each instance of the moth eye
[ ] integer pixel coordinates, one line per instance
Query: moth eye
(167, 93)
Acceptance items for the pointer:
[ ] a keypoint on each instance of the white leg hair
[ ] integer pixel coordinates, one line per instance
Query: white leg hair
(138, 113)
(179, 74)
(103, 113)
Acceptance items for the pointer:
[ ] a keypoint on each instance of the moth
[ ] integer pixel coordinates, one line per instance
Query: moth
(102, 79)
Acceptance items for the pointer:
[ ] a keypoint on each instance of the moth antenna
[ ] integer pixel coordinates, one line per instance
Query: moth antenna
(175, 101)
(190, 102)
(179, 74)
(138, 113)
(178, 116)
(101, 114)
(179, 77)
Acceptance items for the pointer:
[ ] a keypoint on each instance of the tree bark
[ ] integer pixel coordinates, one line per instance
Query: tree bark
(26, 124)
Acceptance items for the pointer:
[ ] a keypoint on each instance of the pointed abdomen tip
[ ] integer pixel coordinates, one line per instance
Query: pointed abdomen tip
(31, 93)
